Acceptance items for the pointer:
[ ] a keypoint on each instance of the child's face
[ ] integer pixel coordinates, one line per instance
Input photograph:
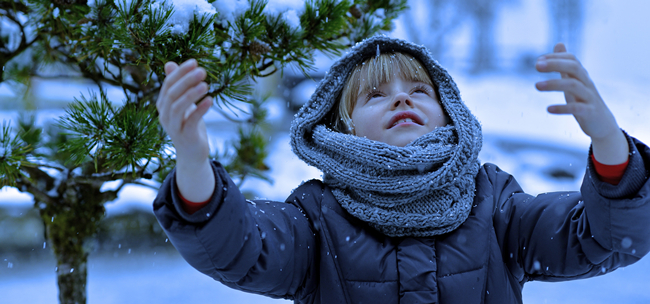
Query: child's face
(397, 112)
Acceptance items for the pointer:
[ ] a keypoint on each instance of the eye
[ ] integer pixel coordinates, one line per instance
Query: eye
(373, 94)
(421, 89)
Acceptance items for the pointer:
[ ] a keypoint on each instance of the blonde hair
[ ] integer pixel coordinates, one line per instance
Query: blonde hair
(372, 73)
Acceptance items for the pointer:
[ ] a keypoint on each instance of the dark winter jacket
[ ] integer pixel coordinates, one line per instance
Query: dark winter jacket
(310, 250)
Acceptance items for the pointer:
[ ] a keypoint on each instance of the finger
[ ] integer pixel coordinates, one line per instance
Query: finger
(176, 74)
(567, 68)
(559, 51)
(575, 109)
(180, 87)
(170, 66)
(186, 82)
(569, 86)
(185, 104)
(558, 56)
(560, 48)
(180, 107)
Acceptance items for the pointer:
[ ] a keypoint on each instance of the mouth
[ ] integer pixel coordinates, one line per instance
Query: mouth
(406, 117)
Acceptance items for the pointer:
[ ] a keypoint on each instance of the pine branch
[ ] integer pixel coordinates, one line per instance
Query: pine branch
(24, 45)
(14, 6)
(135, 182)
(13, 156)
(86, 73)
(50, 166)
(25, 185)
(99, 179)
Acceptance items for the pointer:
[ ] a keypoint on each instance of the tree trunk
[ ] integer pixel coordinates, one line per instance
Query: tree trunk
(71, 276)
(70, 223)
(484, 49)
(71, 259)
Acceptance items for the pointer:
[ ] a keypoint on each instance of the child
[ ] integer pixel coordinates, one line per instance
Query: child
(405, 213)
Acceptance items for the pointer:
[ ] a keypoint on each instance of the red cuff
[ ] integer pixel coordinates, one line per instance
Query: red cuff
(191, 207)
(609, 173)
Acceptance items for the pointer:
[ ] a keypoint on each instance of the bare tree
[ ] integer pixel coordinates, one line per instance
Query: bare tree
(431, 23)
(483, 14)
(567, 19)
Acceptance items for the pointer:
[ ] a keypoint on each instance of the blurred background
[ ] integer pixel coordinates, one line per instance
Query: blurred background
(488, 46)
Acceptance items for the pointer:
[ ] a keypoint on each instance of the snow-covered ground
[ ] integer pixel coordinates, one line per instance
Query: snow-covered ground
(166, 279)
(520, 137)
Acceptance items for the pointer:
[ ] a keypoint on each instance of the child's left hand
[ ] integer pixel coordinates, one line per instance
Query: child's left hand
(584, 103)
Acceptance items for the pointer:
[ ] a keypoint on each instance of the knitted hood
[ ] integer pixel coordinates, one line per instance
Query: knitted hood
(422, 189)
(321, 104)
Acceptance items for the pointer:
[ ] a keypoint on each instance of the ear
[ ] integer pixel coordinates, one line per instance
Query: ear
(350, 127)
(345, 126)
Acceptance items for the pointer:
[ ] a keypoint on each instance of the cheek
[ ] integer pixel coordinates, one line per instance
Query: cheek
(442, 114)
(361, 120)
(357, 113)
(356, 118)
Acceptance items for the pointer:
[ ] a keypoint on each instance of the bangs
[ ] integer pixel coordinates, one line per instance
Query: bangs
(372, 73)
(379, 70)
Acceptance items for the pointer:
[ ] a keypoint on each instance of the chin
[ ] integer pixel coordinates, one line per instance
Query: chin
(401, 142)
(401, 139)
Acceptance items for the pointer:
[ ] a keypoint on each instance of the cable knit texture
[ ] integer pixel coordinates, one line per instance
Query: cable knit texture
(425, 188)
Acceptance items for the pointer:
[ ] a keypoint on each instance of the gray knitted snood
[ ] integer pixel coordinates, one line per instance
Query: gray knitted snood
(423, 189)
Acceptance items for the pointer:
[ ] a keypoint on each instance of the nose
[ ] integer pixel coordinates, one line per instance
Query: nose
(402, 100)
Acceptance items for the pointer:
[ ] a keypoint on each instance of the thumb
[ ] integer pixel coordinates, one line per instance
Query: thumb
(170, 66)
(559, 48)
(201, 108)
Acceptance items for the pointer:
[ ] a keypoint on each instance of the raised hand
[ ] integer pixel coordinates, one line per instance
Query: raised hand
(179, 114)
(584, 103)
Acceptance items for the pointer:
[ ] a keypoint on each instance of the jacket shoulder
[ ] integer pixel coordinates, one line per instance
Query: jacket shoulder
(491, 172)
(490, 178)
(308, 197)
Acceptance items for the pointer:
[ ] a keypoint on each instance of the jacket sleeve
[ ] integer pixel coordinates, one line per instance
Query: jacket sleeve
(569, 235)
(260, 247)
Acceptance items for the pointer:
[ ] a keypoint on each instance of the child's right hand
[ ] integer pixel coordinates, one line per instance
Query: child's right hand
(179, 114)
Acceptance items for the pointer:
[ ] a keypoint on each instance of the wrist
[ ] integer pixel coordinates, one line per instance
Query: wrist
(195, 180)
(190, 161)
(612, 132)
(611, 149)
